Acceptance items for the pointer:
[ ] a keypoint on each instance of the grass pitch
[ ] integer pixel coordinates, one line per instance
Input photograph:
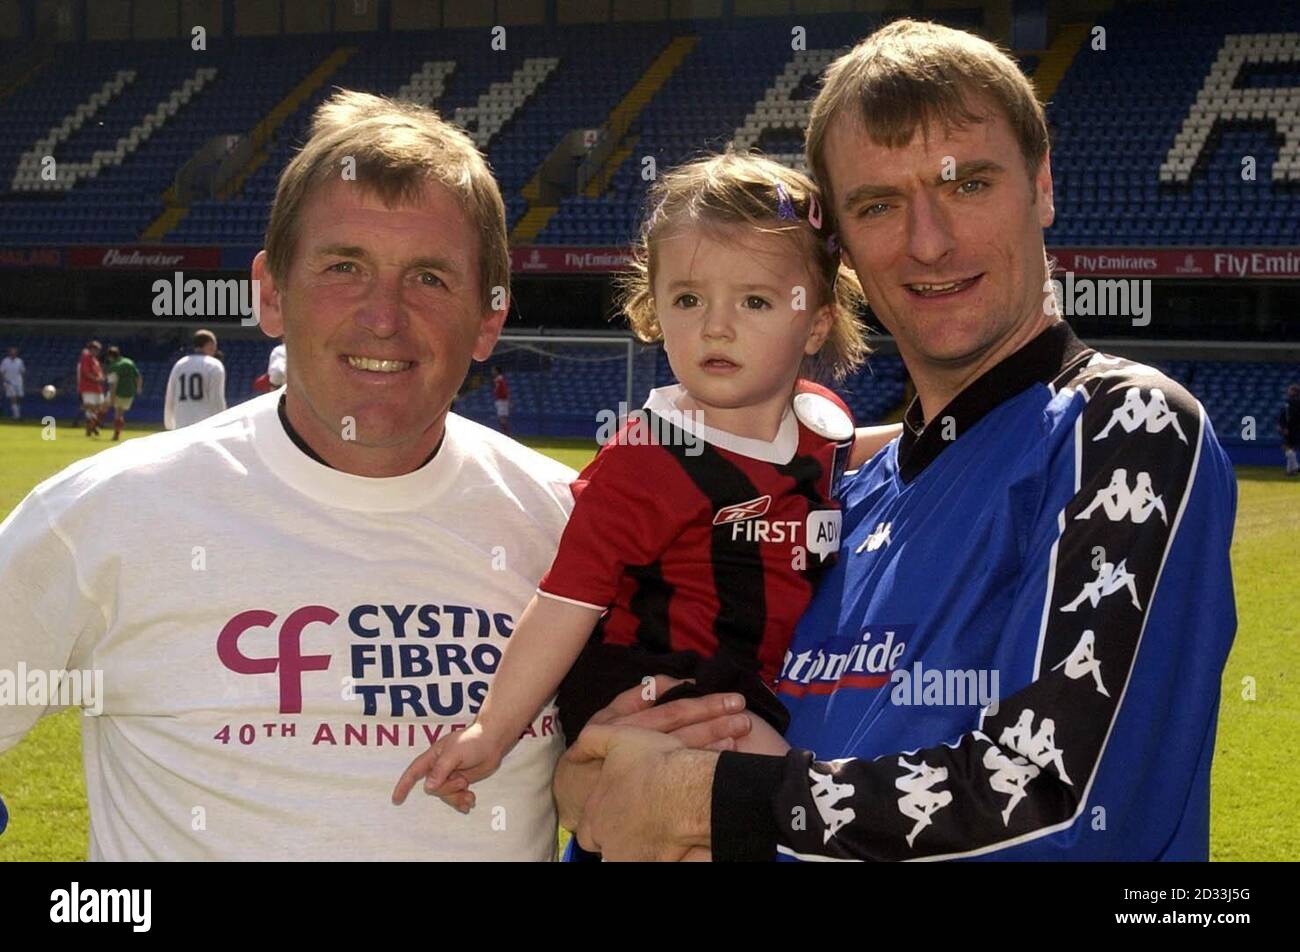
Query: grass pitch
(1253, 815)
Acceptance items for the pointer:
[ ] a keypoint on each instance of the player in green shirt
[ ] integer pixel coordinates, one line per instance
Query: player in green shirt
(125, 381)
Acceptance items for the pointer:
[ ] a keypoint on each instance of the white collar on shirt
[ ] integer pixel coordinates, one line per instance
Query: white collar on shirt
(663, 401)
(342, 490)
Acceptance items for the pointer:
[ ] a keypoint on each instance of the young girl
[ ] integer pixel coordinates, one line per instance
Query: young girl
(694, 554)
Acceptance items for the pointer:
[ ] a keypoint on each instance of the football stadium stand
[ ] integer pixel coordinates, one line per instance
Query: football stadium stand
(1171, 132)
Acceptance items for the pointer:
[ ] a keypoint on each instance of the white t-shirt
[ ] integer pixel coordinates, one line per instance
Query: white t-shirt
(276, 366)
(183, 565)
(11, 371)
(196, 390)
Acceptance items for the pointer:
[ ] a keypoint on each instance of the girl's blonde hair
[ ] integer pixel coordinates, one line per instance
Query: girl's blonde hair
(731, 189)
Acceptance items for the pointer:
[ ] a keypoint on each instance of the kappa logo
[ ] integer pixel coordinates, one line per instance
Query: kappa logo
(1134, 414)
(1081, 661)
(1104, 360)
(919, 802)
(1110, 579)
(742, 511)
(1010, 775)
(878, 538)
(826, 793)
(1118, 501)
(1039, 746)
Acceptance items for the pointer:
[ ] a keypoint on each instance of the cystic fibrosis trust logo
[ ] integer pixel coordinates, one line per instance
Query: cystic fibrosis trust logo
(402, 660)
(289, 661)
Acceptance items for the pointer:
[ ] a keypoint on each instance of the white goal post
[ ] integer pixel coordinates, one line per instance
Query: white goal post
(563, 384)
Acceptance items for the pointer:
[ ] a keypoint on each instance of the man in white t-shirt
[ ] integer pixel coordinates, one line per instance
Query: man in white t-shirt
(321, 580)
(277, 366)
(196, 388)
(12, 370)
(275, 371)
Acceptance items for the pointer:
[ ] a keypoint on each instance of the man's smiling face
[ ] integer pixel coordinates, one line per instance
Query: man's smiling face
(945, 234)
(381, 313)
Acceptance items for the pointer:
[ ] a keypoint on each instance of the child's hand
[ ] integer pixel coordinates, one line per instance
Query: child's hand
(451, 765)
(761, 739)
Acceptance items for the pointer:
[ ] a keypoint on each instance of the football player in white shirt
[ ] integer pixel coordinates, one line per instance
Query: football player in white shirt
(196, 388)
(12, 370)
(277, 366)
(343, 560)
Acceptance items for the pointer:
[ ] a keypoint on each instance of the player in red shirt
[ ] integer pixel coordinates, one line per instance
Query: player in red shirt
(90, 386)
(501, 398)
(699, 532)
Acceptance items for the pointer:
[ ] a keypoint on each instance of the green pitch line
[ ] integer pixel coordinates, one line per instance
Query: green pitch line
(1255, 771)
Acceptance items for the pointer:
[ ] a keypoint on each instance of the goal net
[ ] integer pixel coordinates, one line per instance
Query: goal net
(563, 386)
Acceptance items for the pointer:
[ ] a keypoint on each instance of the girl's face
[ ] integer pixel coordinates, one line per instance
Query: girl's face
(739, 311)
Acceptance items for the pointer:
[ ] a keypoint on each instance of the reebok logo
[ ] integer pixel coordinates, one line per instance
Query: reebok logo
(742, 511)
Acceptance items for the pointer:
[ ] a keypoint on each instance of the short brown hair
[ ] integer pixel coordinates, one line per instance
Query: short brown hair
(397, 148)
(910, 74)
(745, 188)
(204, 337)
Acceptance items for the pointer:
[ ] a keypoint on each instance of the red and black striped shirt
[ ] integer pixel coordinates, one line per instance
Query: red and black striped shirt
(704, 541)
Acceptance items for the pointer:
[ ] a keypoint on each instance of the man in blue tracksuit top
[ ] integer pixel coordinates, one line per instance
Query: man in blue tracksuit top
(1067, 573)
(1019, 652)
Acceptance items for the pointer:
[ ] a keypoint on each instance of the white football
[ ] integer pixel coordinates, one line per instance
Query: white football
(49, 392)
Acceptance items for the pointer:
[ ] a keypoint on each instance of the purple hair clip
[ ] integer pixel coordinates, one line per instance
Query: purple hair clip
(784, 206)
(786, 212)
